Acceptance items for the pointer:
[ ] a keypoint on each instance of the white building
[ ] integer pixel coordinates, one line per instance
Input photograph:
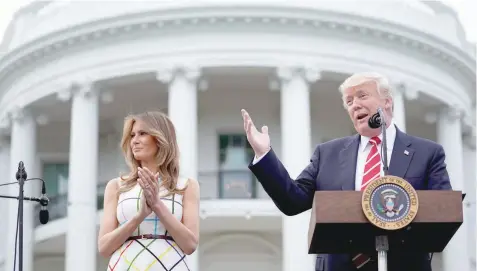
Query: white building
(73, 71)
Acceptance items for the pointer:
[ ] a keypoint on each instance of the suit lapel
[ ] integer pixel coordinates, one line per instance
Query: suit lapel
(401, 155)
(347, 159)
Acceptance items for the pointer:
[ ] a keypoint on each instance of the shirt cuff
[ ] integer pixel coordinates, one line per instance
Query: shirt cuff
(257, 159)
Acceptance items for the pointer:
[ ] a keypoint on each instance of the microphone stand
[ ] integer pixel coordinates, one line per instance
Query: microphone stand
(21, 176)
(384, 145)
(382, 244)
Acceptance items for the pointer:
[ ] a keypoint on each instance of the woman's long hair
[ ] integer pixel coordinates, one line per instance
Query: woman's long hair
(162, 129)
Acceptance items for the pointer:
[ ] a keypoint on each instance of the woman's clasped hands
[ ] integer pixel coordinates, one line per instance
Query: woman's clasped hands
(149, 183)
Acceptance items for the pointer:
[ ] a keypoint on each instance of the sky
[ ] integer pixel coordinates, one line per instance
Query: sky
(466, 10)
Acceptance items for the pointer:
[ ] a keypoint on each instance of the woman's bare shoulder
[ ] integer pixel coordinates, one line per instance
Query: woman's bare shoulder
(113, 185)
(192, 187)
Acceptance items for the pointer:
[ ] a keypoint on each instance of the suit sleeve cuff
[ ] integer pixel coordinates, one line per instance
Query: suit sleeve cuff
(257, 159)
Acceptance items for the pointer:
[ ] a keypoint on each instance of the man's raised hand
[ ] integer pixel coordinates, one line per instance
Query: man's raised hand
(260, 141)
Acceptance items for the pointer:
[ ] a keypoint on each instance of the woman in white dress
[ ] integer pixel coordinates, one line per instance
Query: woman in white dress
(151, 215)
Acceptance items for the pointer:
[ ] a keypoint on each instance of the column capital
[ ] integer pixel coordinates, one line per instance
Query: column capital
(309, 74)
(85, 88)
(189, 72)
(452, 113)
(19, 114)
(5, 122)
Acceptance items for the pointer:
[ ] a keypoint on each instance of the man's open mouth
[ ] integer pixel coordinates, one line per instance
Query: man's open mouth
(362, 116)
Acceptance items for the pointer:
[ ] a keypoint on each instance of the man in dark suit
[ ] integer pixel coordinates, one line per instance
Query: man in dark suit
(350, 163)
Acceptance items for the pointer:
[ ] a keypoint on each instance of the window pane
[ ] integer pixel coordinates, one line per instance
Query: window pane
(235, 158)
(223, 143)
(56, 178)
(235, 179)
(237, 184)
(237, 140)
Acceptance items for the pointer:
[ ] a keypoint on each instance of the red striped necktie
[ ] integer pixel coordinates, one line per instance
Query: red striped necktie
(372, 170)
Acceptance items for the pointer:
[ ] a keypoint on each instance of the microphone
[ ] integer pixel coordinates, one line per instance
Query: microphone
(44, 214)
(377, 120)
(374, 121)
(21, 173)
(21, 176)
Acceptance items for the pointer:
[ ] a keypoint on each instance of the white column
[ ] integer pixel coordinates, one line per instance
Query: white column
(81, 239)
(449, 135)
(399, 114)
(296, 153)
(469, 160)
(4, 203)
(23, 148)
(183, 114)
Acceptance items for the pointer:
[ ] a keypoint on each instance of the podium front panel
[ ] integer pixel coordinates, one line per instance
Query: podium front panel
(338, 224)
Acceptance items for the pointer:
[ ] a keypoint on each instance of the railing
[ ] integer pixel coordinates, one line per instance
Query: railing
(231, 184)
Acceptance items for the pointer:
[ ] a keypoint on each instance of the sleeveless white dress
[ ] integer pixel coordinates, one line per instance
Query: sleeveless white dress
(148, 254)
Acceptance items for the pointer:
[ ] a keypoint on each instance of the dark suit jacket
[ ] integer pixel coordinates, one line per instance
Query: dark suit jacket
(332, 167)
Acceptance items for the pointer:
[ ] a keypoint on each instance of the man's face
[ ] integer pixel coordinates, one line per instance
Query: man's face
(362, 102)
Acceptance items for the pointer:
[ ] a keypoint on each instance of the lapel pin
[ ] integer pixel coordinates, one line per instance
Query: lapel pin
(406, 152)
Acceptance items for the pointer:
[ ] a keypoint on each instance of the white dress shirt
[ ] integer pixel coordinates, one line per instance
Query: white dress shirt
(363, 151)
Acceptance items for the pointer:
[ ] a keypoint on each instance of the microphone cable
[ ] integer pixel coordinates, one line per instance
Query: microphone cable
(31, 179)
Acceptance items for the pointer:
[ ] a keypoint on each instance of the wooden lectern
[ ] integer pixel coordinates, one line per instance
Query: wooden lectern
(338, 223)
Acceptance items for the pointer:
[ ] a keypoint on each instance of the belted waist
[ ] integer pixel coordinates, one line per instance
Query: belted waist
(150, 236)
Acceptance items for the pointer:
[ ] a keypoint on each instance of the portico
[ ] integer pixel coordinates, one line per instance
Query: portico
(202, 64)
(298, 93)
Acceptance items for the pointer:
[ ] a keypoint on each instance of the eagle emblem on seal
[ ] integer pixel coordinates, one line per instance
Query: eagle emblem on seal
(389, 203)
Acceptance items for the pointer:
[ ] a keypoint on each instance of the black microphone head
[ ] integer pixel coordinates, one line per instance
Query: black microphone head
(44, 216)
(374, 121)
(43, 188)
(21, 173)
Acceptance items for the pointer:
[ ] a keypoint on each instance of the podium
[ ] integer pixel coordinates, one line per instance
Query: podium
(341, 223)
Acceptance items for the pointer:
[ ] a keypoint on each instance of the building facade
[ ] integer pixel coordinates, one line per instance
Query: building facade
(73, 71)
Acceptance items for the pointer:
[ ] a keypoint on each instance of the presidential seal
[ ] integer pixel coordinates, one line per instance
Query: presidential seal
(390, 203)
